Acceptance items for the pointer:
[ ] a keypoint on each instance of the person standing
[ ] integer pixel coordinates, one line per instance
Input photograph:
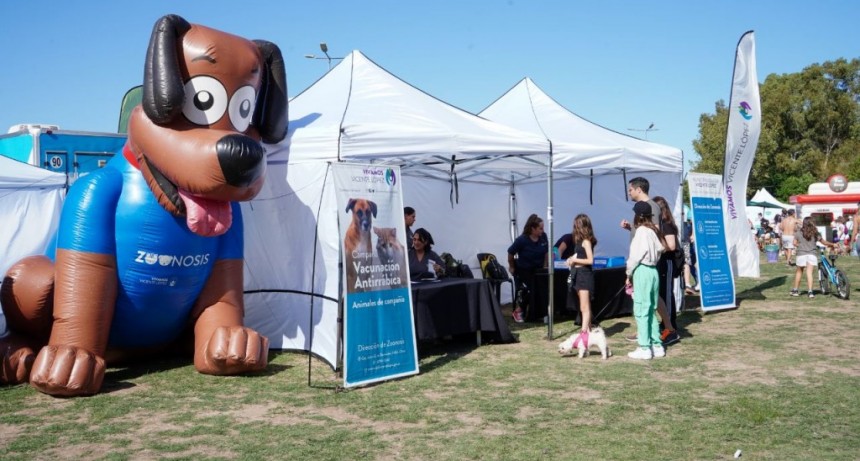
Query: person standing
(788, 226)
(689, 246)
(637, 189)
(565, 246)
(526, 256)
(409, 219)
(807, 254)
(669, 268)
(645, 251)
(581, 275)
(855, 229)
(845, 235)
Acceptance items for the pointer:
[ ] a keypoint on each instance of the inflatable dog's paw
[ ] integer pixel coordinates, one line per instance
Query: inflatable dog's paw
(15, 364)
(67, 371)
(233, 350)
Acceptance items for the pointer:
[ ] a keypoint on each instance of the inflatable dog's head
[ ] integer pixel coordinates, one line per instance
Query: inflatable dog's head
(209, 98)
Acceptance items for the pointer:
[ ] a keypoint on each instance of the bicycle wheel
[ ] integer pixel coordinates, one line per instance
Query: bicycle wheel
(823, 279)
(843, 288)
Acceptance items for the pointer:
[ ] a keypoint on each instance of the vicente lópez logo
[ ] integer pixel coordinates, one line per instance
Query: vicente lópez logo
(390, 177)
(744, 108)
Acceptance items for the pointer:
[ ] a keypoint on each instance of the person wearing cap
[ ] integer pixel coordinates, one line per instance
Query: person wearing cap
(638, 189)
(645, 251)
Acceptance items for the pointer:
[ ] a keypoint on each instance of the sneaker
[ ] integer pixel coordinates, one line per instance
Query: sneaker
(669, 337)
(641, 353)
(811, 294)
(658, 351)
(632, 338)
(518, 316)
(795, 293)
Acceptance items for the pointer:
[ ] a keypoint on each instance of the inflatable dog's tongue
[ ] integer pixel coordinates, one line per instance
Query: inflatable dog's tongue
(207, 218)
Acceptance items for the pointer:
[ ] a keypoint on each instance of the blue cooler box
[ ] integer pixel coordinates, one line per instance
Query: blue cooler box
(601, 262)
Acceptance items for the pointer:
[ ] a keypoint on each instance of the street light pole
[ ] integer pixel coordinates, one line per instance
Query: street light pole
(324, 49)
(646, 130)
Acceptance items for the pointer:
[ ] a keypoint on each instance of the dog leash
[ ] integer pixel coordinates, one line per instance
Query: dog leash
(608, 303)
(583, 335)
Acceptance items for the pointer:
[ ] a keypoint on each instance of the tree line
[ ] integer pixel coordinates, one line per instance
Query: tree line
(810, 130)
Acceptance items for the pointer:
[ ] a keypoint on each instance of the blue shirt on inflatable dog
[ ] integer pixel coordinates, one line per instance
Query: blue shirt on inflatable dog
(161, 265)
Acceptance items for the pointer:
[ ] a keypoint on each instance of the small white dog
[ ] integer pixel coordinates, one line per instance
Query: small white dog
(584, 341)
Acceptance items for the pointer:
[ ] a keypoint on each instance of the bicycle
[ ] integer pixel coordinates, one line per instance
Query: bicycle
(829, 276)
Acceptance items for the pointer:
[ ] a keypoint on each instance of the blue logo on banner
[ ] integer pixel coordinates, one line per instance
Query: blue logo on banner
(381, 337)
(715, 272)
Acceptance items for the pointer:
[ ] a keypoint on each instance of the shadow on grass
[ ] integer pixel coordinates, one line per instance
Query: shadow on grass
(436, 354)
(757, 292)
(118, 378)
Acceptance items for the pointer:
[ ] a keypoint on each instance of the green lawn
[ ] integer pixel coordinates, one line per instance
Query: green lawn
(777, 378)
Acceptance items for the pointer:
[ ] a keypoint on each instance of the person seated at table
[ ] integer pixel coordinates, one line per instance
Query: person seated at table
(581, 277)
(526, 256)
(421, 254)
(565, 246)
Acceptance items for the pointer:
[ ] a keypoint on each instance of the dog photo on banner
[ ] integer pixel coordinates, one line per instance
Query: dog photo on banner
(379, 326)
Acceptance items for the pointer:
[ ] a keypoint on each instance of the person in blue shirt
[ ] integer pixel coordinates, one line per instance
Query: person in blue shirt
(526, 256)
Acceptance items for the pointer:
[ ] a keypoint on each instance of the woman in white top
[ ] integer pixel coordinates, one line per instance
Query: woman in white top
(645, 250)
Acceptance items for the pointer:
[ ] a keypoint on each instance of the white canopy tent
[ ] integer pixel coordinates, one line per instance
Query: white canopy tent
(591, 166)
(762, 196)
(470, 180)
(30, 202)
(360, 113)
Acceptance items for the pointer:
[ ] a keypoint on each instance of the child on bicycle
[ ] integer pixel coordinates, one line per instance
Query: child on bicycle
(806, 242)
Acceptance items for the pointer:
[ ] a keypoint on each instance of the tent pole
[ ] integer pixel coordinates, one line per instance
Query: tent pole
(512, 211)
(550, 255)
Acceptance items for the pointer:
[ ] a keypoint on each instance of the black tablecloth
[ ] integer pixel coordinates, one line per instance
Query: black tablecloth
(456, 306)
(609, 301)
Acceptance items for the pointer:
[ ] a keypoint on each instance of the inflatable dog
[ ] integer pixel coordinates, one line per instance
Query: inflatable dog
(151, 245)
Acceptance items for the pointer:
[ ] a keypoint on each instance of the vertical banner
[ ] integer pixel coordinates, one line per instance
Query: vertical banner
(716, 280)
(379, 330)
(742, 136)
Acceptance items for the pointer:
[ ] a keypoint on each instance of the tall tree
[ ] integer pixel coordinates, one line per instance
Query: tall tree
(810, 129)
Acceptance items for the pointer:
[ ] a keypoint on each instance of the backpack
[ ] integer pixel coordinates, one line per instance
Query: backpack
(452, 266)
(492, 270)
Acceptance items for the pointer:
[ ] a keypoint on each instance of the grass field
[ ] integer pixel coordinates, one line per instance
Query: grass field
(778, 378)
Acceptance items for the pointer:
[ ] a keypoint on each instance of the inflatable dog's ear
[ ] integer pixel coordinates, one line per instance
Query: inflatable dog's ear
(270, 117)
(163, 88)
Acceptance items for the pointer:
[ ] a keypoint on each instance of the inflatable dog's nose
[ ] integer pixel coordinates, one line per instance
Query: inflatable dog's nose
(241, 159)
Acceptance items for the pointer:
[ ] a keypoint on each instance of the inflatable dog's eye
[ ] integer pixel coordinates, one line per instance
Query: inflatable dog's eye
(205, 100)
(242, 107)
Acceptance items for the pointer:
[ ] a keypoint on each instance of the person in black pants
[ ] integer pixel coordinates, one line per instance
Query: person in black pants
(526, 256)
(668, 271)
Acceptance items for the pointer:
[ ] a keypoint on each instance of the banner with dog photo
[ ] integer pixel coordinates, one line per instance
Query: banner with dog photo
(379, 328)
(715, 275)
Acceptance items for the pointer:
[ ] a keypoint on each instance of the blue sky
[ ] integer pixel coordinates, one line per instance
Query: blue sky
(620, 64)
